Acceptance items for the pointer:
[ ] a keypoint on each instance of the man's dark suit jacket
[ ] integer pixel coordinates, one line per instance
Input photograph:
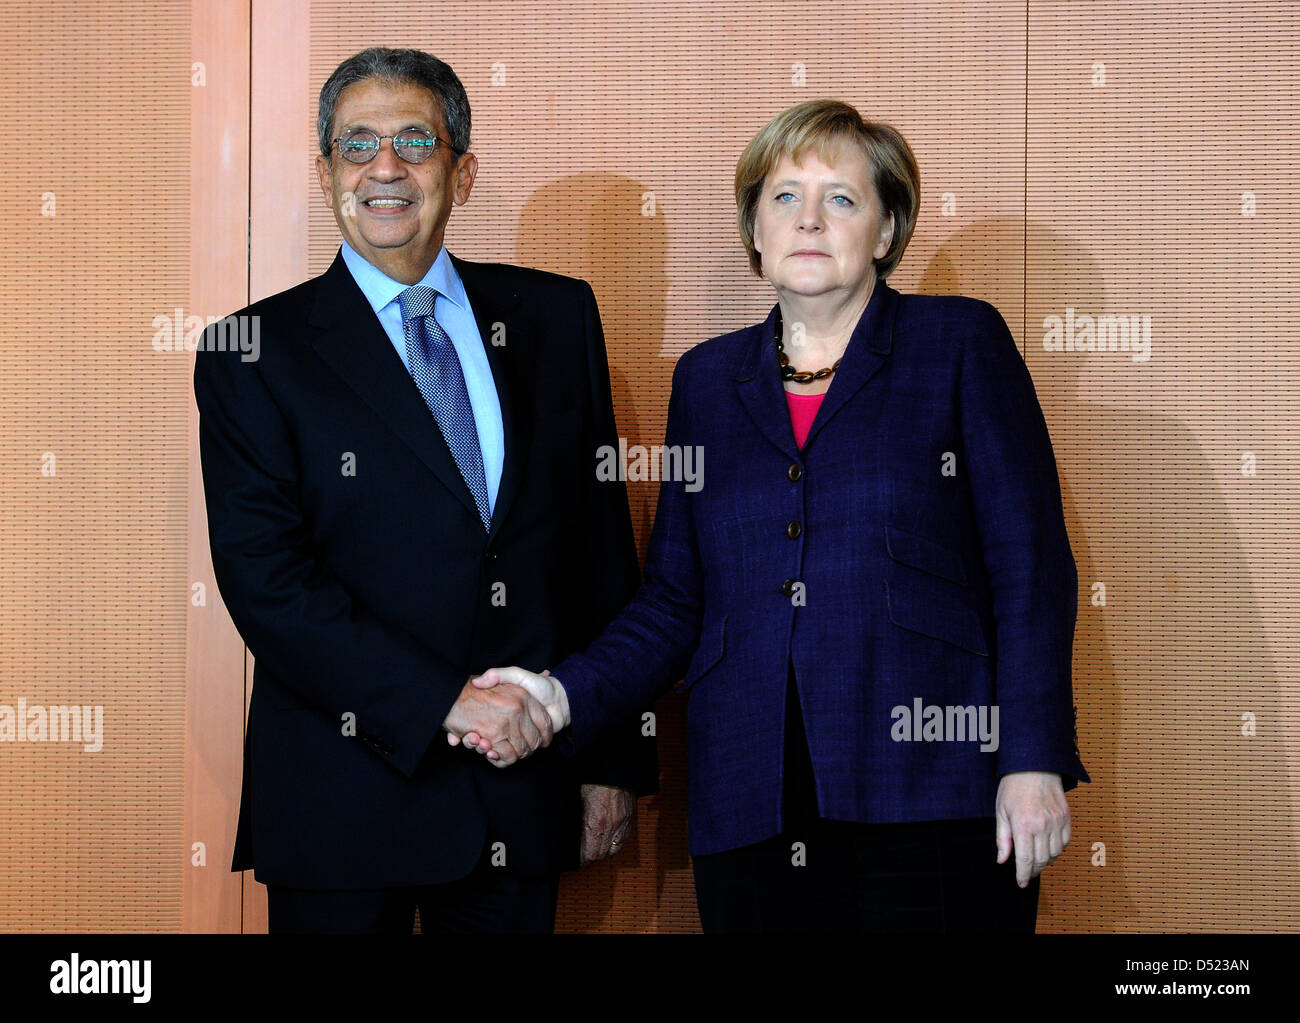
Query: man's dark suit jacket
(912, 551)
(368, 595)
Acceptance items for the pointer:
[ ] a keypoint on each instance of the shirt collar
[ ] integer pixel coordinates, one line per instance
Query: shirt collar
(380, 289)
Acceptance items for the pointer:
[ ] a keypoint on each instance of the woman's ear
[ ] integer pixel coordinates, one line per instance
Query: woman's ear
(886, 238)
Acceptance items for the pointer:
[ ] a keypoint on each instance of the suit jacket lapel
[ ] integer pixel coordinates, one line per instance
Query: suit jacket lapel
(353, 343)
(496, 314)
(763, 393)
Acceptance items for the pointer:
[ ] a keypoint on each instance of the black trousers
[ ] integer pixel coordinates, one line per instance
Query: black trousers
(489, 900)
(845, 877)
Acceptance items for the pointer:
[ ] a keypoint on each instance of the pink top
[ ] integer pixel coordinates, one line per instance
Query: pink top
(803, 410)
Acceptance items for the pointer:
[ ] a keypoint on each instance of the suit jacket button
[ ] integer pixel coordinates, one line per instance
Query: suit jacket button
(795, 472)
(793, 530)
(787, 587)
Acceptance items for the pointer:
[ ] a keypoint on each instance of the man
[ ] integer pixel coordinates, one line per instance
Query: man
(401, 491)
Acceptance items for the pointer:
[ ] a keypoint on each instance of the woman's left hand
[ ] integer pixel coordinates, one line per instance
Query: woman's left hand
(1033, 815)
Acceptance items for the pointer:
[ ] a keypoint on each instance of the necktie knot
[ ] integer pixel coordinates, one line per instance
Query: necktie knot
(417, 301)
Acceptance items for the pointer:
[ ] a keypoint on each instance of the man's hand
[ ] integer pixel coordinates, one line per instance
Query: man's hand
(507, 718)
(607, 817)
(545, 689)
(1032, 812)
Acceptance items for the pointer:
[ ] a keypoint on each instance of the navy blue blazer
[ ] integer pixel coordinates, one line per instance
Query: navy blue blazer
(914, 549)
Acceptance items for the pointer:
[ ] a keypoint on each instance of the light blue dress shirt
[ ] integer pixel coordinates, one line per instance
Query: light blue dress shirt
(453, 312)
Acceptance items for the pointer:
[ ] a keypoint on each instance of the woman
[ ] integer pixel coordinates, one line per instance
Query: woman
(872, 596)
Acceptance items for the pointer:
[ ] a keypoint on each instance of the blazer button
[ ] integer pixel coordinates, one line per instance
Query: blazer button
(787, 587)
(793, 530)
(795, 472)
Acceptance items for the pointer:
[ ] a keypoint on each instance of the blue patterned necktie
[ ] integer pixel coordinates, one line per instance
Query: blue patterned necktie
(437, 373)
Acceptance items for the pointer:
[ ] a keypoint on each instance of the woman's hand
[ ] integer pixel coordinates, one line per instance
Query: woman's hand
(544, 688)
(1033, 815)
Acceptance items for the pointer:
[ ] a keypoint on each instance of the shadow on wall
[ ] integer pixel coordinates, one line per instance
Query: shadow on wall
(1195, 817)
(590, 226)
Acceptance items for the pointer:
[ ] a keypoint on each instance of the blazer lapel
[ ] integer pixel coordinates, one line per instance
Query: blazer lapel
(759, 378)
(759, 385)
(353, 343)
(872, 340)
(495, 313)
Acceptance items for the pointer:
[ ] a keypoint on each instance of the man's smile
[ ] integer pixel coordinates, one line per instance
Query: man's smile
(387, 204)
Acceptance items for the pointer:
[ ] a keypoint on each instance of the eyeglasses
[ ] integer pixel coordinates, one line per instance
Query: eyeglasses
(414, 145)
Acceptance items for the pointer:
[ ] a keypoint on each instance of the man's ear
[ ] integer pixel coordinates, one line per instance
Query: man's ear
(466, 169)
(325, 174)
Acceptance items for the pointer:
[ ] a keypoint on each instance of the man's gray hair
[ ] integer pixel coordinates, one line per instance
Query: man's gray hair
(396, 67)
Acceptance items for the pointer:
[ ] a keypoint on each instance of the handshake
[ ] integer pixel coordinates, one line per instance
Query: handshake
(507, 714)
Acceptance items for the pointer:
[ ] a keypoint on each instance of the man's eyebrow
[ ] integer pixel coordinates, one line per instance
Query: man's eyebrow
(422, 125)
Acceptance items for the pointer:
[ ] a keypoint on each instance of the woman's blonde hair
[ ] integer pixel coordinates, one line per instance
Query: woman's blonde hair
(823, 123)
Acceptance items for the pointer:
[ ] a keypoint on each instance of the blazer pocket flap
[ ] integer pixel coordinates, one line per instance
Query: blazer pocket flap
(920, 552)
(939, 619)
(708, 654)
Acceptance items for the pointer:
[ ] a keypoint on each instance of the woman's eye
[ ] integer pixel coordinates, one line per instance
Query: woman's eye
(836, 199)
(782, 196)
